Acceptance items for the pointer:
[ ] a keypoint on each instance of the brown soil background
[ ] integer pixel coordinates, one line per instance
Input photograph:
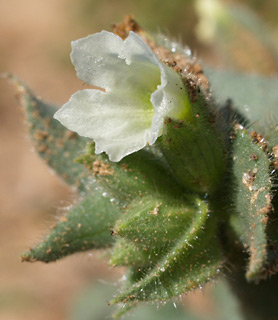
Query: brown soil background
(35, 45)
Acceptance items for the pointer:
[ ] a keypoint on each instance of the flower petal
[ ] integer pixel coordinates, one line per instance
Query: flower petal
(101, 57)
(119, 124)
(169, 100)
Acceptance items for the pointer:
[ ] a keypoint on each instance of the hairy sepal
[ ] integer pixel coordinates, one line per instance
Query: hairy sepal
(191, 260)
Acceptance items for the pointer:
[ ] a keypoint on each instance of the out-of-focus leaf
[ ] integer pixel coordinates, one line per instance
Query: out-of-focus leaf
(92, 305)
(226, 303)
(254, 96)
(242, 38)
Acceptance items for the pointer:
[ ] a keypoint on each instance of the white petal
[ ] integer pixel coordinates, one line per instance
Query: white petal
(119, 124)
(100, 58)
(169, 100)
(134, 49)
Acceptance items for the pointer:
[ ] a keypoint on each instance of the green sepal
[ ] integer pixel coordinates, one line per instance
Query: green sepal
(195, 149)
(53, 142)
(149, 226)
(252, 200)
(155, 223)
(194, 259)
(126, 253)
(86, 226)
(136, 175)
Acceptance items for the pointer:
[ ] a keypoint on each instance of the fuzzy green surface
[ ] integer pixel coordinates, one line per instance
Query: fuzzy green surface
(252, 199)
(53, 142)
(126, 253)
(86, 226)
(193, 259)
(155, 223)
(137, 175)
(195, 150)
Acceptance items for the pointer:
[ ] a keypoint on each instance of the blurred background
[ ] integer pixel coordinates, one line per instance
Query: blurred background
(35, 45)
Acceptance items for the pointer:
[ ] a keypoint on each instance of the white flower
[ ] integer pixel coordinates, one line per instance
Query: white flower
(139, 93)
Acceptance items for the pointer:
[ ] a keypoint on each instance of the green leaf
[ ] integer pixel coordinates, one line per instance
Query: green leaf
(192, 260)
(252, 198)
(54, 143)
(254, 96)
(86, 226)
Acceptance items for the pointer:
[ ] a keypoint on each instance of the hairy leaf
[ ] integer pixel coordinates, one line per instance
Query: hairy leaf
(252, 198)
(53, 142)
(86, 226)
